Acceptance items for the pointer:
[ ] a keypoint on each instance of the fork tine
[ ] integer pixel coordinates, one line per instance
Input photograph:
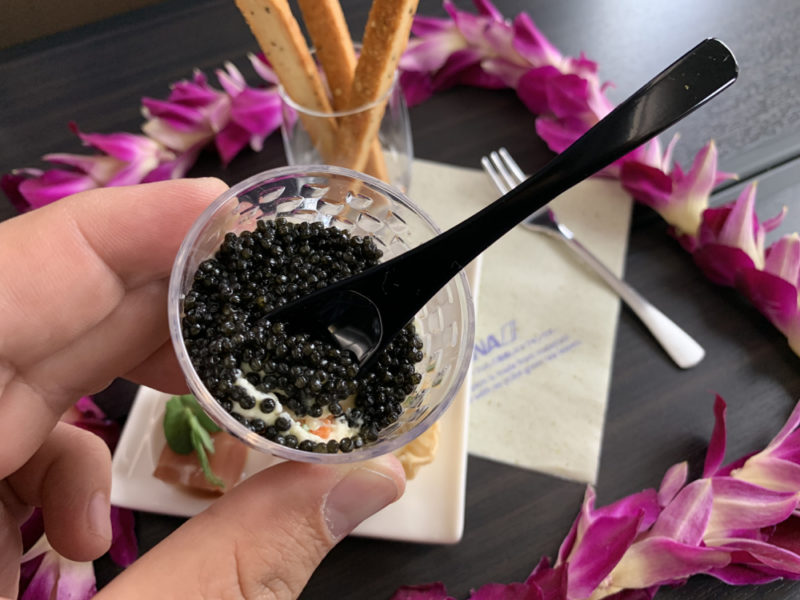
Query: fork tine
(495, 176)
(512, 166)
(508, 178)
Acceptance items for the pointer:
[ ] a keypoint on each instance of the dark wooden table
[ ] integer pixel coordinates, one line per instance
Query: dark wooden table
(657, 414)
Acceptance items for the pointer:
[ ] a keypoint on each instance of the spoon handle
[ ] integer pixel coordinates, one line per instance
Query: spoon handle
(684, 86)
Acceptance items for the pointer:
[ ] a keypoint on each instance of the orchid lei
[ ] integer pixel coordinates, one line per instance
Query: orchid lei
(739, 535)
(738, 523)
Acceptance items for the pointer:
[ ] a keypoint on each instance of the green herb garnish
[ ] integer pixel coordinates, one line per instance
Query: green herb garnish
(188, 428)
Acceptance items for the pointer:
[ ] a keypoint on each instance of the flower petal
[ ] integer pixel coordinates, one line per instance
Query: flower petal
(532, 88)
(429, 591)
(257, 111)
(771, 473)
(567, 96)
(230, 141)
(643, 505)
(788, 428)
(180, 141)
(431, 52)
(124, 546)
(692, 190)
(53, 185)
(741, 228)
(127, 147)
(659, 560)
(559, 134)
(716, 446)
(532, 44)
(735, 574)
(783, 258)
(740, 505)
(10, 184)
(722, 264)
(417, 87)
(183, 117)
(605, 541)
(424, 26)
(772, 295)
(43, 583)
(174, 169)
(552, 581)
(686, 518)
(76, 580)
(763, 553)
(674, 479)
(647, 184)
(509, 591)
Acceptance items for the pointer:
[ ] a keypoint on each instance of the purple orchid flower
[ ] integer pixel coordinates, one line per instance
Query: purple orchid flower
(125, 159)
(466, 49)
(738, 523)
(774, 290)
(195, 113)
(50, 576)
(680, 198)
(730, 240)
(486, 50)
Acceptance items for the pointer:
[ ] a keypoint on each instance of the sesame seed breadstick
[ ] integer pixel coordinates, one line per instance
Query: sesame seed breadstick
(280, 39)
(333, 44)
(385, 39)
(328, 30)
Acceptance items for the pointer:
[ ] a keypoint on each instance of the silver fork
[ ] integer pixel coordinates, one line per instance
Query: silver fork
(682, 348)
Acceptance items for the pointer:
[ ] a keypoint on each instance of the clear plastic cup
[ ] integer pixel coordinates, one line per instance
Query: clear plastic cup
(363, 206)
(313, 137)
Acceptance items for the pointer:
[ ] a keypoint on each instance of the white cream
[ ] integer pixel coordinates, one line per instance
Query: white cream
(301, 428)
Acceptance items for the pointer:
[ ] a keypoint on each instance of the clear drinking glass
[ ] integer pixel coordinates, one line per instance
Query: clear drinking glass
(391, 155)
(363, 206)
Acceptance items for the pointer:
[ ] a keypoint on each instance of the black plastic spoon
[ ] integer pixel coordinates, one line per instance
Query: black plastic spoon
(364, 312)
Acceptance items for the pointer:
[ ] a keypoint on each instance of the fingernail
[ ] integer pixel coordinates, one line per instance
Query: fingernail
(99, 515)
(361, 494)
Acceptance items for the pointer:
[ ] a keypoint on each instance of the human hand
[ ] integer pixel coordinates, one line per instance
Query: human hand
(83, 296)
(86, 282)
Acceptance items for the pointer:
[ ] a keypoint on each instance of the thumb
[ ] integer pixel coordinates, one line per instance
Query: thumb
(265, 537)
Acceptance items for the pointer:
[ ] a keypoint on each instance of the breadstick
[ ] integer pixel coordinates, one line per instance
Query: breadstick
(280, 39)
(328, 30)
(385, 39)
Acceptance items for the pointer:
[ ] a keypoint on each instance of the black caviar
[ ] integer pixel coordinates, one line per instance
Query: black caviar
(227, 335)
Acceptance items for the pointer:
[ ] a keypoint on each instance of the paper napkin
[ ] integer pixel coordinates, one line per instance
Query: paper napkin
(545, 324)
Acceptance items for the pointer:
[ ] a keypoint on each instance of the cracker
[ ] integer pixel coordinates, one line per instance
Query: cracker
(420, 452)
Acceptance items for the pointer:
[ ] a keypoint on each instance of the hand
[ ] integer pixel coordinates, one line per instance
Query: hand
(83, 286)
(83, 296)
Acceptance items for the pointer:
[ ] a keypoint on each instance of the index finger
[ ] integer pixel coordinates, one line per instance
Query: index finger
(79, 299)
(116, 239)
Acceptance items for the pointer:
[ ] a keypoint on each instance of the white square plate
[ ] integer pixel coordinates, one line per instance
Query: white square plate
(430, 511)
